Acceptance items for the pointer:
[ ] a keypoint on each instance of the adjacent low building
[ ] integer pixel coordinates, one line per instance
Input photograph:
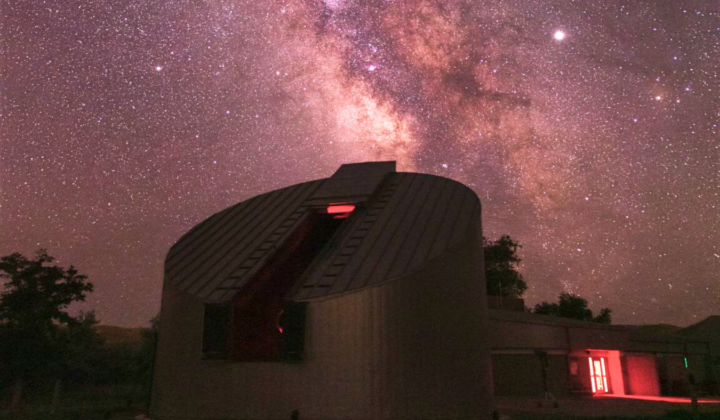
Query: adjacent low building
(537, 354)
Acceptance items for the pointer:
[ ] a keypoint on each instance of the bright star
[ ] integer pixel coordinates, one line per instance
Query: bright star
(559, 35)
(372, 67)
(158, 68)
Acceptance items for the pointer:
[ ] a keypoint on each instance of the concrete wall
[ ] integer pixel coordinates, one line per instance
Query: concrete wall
(521, 375)
(598, 337)
(413, 348)
(519, 335)
(518, 330)
(672, 374)
(641, 376)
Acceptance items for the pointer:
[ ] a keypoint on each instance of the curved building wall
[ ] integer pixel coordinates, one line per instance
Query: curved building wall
(411, 348)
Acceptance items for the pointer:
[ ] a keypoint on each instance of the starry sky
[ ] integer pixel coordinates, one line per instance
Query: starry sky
(589, 130)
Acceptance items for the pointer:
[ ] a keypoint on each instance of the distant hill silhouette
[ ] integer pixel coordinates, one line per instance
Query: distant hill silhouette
(119, 336)
(709, 327)
(707, 330)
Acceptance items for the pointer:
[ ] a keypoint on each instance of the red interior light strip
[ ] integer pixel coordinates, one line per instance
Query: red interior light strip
(340, 208)
(277, 322)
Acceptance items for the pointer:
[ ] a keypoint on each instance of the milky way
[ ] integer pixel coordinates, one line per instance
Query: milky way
(589, 129)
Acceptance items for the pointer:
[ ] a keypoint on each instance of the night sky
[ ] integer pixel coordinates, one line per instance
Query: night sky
(589, 130)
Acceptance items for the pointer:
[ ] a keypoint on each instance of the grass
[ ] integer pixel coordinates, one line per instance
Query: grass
(118, 411)
(90, 404)
(87, 413)
(111, 403)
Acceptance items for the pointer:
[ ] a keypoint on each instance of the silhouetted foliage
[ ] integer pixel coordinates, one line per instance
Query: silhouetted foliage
(80, 350)
(32, 312)
(604, 316)
(574, 307)
(501, 262)
(146, 357)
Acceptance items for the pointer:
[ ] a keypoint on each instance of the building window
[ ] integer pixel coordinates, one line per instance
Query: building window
(573, 367)
(292, 331)
(223, 340)
(216, 325)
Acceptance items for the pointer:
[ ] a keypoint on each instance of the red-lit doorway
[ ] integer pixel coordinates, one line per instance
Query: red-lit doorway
(598, 375)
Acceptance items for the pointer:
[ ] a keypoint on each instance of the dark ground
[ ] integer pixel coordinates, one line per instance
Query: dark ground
(601, 408)
(114, 403)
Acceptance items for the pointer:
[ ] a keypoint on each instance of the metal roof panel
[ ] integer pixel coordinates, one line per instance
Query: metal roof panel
(400, 223)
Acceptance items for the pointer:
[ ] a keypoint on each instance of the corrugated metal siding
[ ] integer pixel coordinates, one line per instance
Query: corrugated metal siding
(412, 220)
(402, 221)
(415, 348)
(205, 257)
(264, 233)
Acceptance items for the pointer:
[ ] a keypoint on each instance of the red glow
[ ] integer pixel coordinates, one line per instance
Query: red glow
(642, 375)
(678, 400)
(617, 382)
(277, 323)
(592, 375)
(340, 209)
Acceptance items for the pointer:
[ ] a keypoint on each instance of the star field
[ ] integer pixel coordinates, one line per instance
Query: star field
(589, 130)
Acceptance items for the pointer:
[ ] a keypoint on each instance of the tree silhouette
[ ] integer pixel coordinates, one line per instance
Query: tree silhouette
(574, 307)
(32, 312)
(78, 353)
(501, 262)
(604, 317)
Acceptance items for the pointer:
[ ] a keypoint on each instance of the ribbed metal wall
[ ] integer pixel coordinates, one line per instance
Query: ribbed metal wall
(414, 348)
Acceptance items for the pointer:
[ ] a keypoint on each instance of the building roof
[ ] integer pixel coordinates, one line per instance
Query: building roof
(531, 318)
(401, 221)
(703, 336)
(532, 330)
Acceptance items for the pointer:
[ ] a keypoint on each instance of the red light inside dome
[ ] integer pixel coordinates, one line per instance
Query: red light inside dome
(277, 323)
(340, 208)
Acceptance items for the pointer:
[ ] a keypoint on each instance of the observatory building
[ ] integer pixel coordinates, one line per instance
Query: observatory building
(358, 296)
